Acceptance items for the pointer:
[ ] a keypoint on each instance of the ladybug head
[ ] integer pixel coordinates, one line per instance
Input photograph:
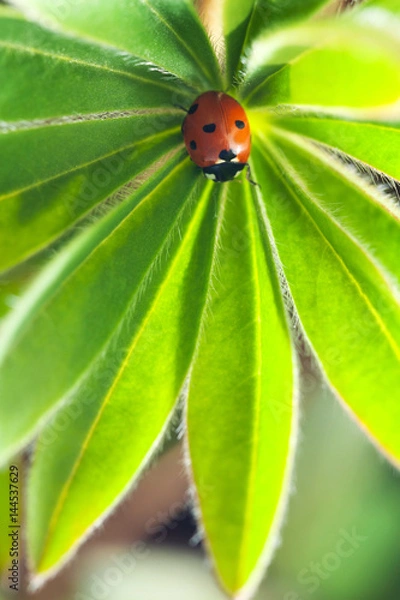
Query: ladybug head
(223, 171)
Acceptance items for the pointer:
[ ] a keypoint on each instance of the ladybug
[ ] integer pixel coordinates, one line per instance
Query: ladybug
(217, 136)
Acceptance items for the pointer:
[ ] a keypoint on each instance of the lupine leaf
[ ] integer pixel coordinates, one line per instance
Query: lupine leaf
(52, 75)
(54, 188)
(240, 396)
(353, 73)
(36, 338)
(321, 62)
(139, 373)
(375, 222)
(243, 22)
(358, 139)
(347, 307)
(71, 158)
(155, 31)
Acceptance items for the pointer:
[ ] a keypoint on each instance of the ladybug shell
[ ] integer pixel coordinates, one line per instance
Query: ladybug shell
(216, 130)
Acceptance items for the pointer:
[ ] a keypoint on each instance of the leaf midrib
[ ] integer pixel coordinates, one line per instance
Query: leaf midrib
(64, 120)
(212, 274)
(257, 398)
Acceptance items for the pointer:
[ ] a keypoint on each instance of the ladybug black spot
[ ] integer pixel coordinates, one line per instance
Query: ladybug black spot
(210, 128)
(227, 155)
(193, 109)
(193, 145)
(240, 124)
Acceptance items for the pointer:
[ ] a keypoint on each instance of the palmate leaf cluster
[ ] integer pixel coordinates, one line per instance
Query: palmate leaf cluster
(154, 289)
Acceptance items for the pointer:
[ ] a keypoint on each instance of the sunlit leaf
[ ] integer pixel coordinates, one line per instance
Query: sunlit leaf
(38, 331)
(377, 223)
(243, 22)
(358, 139)
(153, 31)
(321, 62)
(50, 75)
(139, 373)
(354, 73)
(240, 396)
(54, 188)
(70, 157)
(346, 305)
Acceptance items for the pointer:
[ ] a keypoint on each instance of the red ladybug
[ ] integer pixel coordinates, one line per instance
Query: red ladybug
(217, 136)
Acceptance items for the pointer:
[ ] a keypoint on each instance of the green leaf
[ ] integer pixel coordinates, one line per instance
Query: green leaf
(346, 303)
(239, 411)
(244, 21)
(322, 62)
(236, 17)
(360, 210)
(138, 373)
(36, 337)
(67, 170)
(71, 157)
(366, 214)
(63, 147)
(156, 32)
(351, 72)
(358, 139)
(67, 77)
(372, 221)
